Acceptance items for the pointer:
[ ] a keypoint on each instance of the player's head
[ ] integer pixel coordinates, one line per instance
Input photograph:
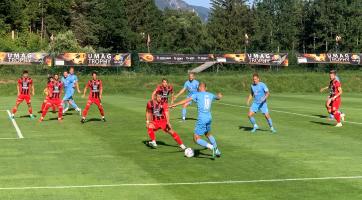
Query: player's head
(256, 78)
(71, 70)
(332, 74)
(56, 77)
(158, 96)
(65, 74)
(50, 79)
(25, 73)
(94, 75)
(164, 82)
(202, 87)
(191, 76)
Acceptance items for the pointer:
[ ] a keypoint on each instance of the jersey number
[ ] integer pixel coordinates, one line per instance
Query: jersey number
(207, 103)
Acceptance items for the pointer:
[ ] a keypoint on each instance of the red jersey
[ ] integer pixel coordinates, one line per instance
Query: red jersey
(25, 85)
(333, 87)
(55, 88)
(158, 110)
(95, 88)
(165, 92)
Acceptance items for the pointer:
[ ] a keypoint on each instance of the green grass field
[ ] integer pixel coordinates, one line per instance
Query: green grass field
(109, 160)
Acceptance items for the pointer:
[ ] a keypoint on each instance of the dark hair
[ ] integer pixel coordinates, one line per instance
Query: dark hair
(202, 83)
(25, 72)
(256, 75)
(49, 78)
(164, 79)
(333, 72)
(94, 72)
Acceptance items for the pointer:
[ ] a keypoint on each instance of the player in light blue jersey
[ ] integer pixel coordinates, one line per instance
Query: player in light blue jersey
(204, 100)
(260, 93)
(191, 86)
(70, 81)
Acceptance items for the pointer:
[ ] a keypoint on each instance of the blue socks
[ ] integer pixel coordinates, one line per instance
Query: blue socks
(212, 141)
(66, 105)
(183, 113)
(252, 121)
(202, 142)
(73, 104)
(270, 122)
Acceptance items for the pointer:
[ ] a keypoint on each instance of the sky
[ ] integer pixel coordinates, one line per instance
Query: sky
(204, 3)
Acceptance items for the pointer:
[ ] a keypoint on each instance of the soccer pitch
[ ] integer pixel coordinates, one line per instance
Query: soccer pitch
(308, 158)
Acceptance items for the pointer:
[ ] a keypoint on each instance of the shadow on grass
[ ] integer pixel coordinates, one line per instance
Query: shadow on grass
(248, 129)
(321, 123)
(321, 116)
(159, 143)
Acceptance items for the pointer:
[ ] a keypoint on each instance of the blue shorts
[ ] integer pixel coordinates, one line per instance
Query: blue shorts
(262, 107)
(68, 96)
(202, 127)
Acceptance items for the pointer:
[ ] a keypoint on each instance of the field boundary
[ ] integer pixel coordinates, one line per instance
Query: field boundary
(285, 112)
(18, 131)
(184, 183)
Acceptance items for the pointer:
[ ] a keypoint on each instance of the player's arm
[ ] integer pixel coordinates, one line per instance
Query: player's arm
(18, 89)
(181, 102)
(33, 89)
(338, 94)
(154, 94)
(219, 96)
(77, 86)
(85, 90)
(267, 94)
(100, 90)
(323, 88)
(179, 93)
(148, 117)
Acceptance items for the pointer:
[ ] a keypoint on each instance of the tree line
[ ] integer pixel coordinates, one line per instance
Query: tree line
(233, 26)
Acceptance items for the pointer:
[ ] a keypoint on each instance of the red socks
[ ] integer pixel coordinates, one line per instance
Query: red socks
(151, 133)
(337, 116)
(177, 138)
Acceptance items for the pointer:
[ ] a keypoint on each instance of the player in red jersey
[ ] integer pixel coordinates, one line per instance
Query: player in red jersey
(165, 90)
(25, 87)
(47, 98)
(157, 117)
(95, 96)
(54, 91)
(335, 97)
(329, 100)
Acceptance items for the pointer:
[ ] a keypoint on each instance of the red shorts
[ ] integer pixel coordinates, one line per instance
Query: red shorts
(55, 102)
(335, 104)
(95, 101)
(160, 124)
(23, 97)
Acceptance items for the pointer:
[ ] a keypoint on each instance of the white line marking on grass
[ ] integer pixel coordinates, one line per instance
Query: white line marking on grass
(9, 138)
(182, 183)
(286, 112)
(18, 131)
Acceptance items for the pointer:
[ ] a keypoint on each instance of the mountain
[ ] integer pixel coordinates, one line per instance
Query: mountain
(202, 12)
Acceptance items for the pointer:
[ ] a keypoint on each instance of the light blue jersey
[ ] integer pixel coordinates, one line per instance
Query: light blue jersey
(258, 91)
(191, 87)
(204, 101)
(69, 83)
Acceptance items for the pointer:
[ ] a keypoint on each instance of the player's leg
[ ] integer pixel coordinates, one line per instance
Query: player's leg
(151, 133)
(45, 110)
(19, 100)
(329, 108)
(60, 109)
(74, 105)
(200, 130)
(30, 108)
(85, 110)
(264, 109)
(100, 108)
(175, 136)
(337, 115)
(184, 111)
(253, 109)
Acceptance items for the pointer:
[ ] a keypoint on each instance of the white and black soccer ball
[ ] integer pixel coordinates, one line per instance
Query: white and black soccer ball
(189, 153)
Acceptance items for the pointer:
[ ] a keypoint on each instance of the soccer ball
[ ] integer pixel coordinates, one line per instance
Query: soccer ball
(189, 152)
